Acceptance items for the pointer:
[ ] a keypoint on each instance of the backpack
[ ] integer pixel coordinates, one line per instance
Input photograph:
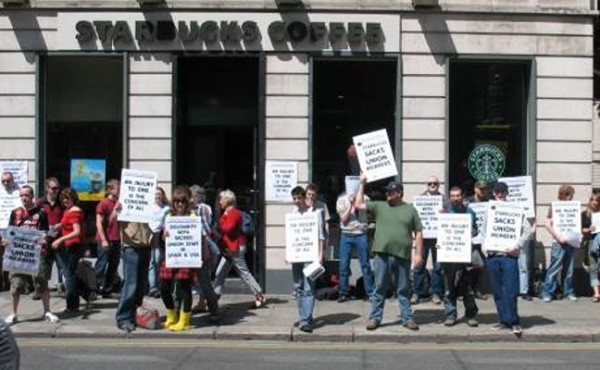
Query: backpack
(247, 227)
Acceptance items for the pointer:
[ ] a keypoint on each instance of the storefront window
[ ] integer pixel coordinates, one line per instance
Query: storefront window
(487, 105)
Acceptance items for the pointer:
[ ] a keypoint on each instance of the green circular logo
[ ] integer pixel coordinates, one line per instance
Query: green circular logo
(486, 162)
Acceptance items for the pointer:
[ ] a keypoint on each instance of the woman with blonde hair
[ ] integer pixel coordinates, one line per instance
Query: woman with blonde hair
(594, 242)
(233, 246)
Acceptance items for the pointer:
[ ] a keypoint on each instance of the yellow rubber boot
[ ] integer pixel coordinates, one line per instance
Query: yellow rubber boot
(171, 319)
(184, 322)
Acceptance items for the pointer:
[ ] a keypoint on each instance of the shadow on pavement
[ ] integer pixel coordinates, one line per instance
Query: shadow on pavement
(335, 319)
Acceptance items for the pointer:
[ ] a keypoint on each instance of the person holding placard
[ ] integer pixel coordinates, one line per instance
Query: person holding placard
(561, 255)
(591, 236)
(457, 275)
(70, 244)
(31, 216)
(107, 237)
(436, 285)
(479, 198)
(160, 210)
(353, 226)
(503, 270)
(9, 188)
(397, 223)
(233, 246)
(305, 287)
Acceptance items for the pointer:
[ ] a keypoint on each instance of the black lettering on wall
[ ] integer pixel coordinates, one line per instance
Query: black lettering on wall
(297, 31)
(230, 31)
(374, 34)
(356, 33)
(145, 31)
(209, 31)
(165, 31)
(85, 31)
(318, 30)
(188, 34)
(276, 31)
(336, 32)
(121, 32)
(102, 29)
(250, 31)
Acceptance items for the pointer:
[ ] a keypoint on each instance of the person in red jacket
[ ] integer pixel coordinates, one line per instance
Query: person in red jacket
(233, 246)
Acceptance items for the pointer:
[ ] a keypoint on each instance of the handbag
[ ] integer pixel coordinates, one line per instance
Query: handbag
(147, 318)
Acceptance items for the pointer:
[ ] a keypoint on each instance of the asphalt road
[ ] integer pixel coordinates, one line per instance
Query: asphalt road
(92, 354)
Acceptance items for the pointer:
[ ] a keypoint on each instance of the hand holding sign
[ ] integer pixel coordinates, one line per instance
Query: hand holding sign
(375, 155)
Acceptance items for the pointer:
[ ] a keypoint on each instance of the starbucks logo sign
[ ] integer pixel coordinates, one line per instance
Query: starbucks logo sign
(486, 162)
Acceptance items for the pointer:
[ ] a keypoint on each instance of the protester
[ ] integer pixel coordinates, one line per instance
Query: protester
(503, 272)
(70, 244)
(457, 275)
(561, 255)
(160, 208)
(305, 287)
(135, 241)
(437, 278)
(233, 247)
(107, 237)
(592, 237)
(353, 227)
(31, 216)
(9, 187)
(396, 223)
(480, 194)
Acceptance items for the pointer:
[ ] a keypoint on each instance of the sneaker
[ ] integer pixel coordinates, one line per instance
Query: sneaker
(450, 321)
(414, 299)
(517, 330)
(307, 328)
(294, 294)
(480, 295)
(472, 322)
(372, 325)
(11, 319)
(499, 326)
(572, 298)
(411, 325)
(342, 298)
(50, 317)
(547, 299)
(127, 326)
(436, 299)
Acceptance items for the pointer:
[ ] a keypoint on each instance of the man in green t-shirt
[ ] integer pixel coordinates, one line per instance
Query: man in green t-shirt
(397, 223)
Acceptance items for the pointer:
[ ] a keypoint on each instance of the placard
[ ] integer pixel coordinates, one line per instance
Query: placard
(503, 226)
(566, 217)
(8, 202)
(352, 184)
(520, 190)
(480, 209)
(23, 251)
(596, 222)
(454, 238)
(18, 170)
(280, 178)
(375, 155)
(183, 245)
(302, 237)
(429, 207)
(88, 178)
(137, 195)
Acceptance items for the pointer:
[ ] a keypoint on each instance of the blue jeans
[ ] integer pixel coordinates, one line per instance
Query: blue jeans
(154, 268)
(107, 264)
(560, 253)
(347, 243)
(70, 257)
(503, 274)
(457, 279)
(386, 265)
(523, 261)
(135, 273)
(306, 294)
(437, 277)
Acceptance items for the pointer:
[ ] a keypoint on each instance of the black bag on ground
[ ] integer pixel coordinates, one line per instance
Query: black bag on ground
(86, 279)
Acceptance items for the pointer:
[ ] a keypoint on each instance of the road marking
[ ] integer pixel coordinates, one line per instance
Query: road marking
(315, 346)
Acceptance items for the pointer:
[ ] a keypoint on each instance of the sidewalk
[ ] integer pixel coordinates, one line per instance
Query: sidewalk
(559, 321)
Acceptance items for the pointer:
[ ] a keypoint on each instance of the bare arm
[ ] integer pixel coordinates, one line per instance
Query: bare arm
(359, 202)
(100, 229)
(549, 227)
(418, 248)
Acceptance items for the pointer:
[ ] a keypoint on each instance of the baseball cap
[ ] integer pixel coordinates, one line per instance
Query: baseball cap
(394, 186)
(500, 187)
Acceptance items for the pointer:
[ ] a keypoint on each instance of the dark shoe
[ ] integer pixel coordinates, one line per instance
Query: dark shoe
(372, 325)
(342, 298)
(450, 321)
(525, 297)
(36, 296)
(306, 328)
(411, 325)
(472, 322)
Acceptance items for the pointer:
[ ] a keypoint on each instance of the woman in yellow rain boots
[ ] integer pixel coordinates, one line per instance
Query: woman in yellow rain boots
(182, 278)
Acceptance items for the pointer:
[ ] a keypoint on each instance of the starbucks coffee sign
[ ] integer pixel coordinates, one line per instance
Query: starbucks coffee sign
(486, 163)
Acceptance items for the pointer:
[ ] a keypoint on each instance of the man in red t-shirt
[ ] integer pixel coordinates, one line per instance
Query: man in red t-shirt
(107, 236)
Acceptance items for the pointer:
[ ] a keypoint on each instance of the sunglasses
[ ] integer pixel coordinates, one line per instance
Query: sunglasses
(54, 188)
(433, 183)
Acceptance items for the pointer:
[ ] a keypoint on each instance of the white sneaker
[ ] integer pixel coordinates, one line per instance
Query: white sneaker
(10, 319)
(50, 317)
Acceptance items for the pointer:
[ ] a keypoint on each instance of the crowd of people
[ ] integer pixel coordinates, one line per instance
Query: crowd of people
(399, 254)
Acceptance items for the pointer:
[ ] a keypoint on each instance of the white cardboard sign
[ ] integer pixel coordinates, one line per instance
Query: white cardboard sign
(18, 170)
(596, 222)
(8, 202)
(480, 209)
(183, 245)
(428, 207)
(454, 238)
(23, 252)
(352, 184)
(280, 179)
(137, 195)
(566, 217)
(503, 226)
(375, 155)
(302, 237)
(520, 190)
